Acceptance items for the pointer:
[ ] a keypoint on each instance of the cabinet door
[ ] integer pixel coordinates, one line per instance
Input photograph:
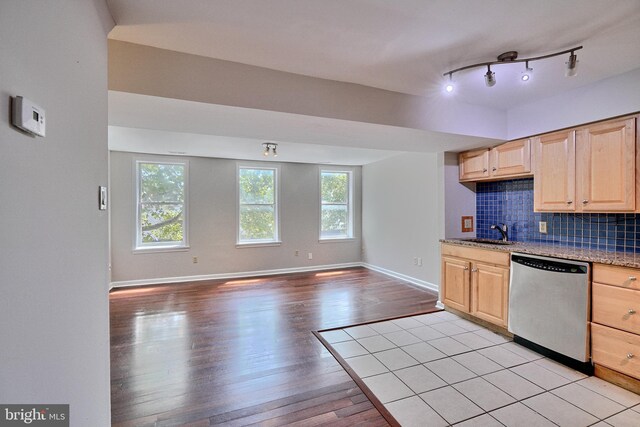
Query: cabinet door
(490, 293)
(474, 165)
(455, 283)
(606, 167)
(512, 158)
(554, 175)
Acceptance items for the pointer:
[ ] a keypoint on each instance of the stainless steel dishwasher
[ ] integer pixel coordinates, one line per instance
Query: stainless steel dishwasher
(549, 307)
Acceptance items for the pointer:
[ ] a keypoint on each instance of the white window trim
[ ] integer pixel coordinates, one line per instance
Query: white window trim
(276, 176)
(350, 234)
(138, 247)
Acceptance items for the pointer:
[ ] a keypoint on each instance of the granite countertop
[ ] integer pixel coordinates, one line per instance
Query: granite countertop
(622, 259)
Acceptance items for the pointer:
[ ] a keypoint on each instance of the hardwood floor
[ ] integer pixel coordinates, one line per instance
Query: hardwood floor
(241, 352)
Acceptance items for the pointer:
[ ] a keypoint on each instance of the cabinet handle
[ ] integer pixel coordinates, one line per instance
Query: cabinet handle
(473, 270)
(494, 169)
(584, 202)
(466, 268)
(632, 278)
(569, 202)
(629, 355)
(484, 170)
(631, 311)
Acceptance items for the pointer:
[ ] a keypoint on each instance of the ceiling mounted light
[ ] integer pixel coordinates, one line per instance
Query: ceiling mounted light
(572, 65)
(511, 57)
(525, 76)
(270, 146)
(449, 87)
(490, 77)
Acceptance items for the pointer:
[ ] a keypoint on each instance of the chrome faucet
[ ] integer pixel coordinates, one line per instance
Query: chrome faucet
(503, 230)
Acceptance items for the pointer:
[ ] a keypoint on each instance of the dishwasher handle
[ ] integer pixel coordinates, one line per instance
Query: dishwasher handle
(546, 264)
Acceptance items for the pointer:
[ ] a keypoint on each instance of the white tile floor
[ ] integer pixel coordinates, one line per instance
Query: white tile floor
(438, 369)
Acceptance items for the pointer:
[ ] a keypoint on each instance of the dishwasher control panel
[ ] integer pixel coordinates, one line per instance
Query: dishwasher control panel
(549, 265)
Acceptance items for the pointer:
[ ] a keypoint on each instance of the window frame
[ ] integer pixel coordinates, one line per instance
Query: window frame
(350, 233)
(138, 245)
(276, 206)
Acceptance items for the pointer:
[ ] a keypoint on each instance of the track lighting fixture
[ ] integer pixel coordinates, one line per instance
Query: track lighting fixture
(512, 57)
(270, 146)
(490, 77)
(525, 76)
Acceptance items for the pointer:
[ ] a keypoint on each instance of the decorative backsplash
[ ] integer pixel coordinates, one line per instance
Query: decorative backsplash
(511, 202)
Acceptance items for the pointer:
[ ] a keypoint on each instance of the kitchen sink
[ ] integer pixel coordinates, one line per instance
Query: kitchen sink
(489, 241)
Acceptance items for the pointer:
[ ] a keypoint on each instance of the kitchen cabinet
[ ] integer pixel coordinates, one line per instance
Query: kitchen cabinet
(589, 169)
(476, 281)
(615, 322)
(554, 172)
(474, 165)
(606, 167)
(509, 160)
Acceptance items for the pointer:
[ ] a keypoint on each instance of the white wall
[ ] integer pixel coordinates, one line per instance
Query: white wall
(400, 215)
(610, 97)
(456, 199)
(212, 223)
(54, 331)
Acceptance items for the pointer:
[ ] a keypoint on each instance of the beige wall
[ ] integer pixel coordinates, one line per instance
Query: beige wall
(158, 72)
(400, 219)
(212, 223)
(54, 324)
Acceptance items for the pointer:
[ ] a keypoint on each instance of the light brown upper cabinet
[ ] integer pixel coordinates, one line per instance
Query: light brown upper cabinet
(554, 172)
(606, 167)
(591, 169)
(509, 160)
(474, 165)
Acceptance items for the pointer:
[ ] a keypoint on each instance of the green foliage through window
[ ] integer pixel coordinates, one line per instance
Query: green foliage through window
(161, 204)
(257, 205)
(335, 207)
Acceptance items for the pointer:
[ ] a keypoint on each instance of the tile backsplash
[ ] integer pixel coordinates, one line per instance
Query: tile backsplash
(511, 202)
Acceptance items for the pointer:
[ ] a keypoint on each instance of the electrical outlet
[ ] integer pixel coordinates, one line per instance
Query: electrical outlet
(542, 227)
(297, 253)
(420, 262)
(415, 261)
(195, 259)
(310, 255)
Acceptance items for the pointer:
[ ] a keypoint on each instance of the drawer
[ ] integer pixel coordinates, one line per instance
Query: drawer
(616, 307)
(615, 349)
(617, 276)
(476, 254)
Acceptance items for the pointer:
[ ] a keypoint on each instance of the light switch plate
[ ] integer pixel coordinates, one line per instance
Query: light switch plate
(102, 198)
(542, 227)
(467, 224)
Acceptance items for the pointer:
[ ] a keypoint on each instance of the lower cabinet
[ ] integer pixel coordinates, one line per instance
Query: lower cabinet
(476, 281)
(615, 327)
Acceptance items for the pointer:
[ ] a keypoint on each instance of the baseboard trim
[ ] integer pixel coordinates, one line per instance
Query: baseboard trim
(222, 276)
(412, 280)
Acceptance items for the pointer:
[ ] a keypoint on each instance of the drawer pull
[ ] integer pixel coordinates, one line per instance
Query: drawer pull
(629, 355)
(466, 268)
(474, 270)
(631, 311)
(632, 278)
(569, 202)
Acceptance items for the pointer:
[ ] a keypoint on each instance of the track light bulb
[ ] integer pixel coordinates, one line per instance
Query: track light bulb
(490, 78)
(275, 153)
(266, 151)
(572, 65)
(525, 76)
(449, 87)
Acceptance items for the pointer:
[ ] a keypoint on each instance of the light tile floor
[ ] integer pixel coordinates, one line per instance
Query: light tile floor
(438, 369)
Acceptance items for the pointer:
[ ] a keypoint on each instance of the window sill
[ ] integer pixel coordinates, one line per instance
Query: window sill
(337, 240)
(257, 244)
(160, 249)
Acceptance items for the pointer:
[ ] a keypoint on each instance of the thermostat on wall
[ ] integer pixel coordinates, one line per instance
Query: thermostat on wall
(28, 116)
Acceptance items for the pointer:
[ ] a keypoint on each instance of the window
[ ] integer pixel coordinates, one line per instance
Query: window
(336, 215)
(257, 205)
(161, 220)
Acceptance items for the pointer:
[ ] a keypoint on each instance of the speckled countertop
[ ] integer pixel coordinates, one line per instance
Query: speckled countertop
(614, 258)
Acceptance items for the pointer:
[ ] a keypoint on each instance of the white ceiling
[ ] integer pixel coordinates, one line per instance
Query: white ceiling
(148, 124)
(399, 45)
